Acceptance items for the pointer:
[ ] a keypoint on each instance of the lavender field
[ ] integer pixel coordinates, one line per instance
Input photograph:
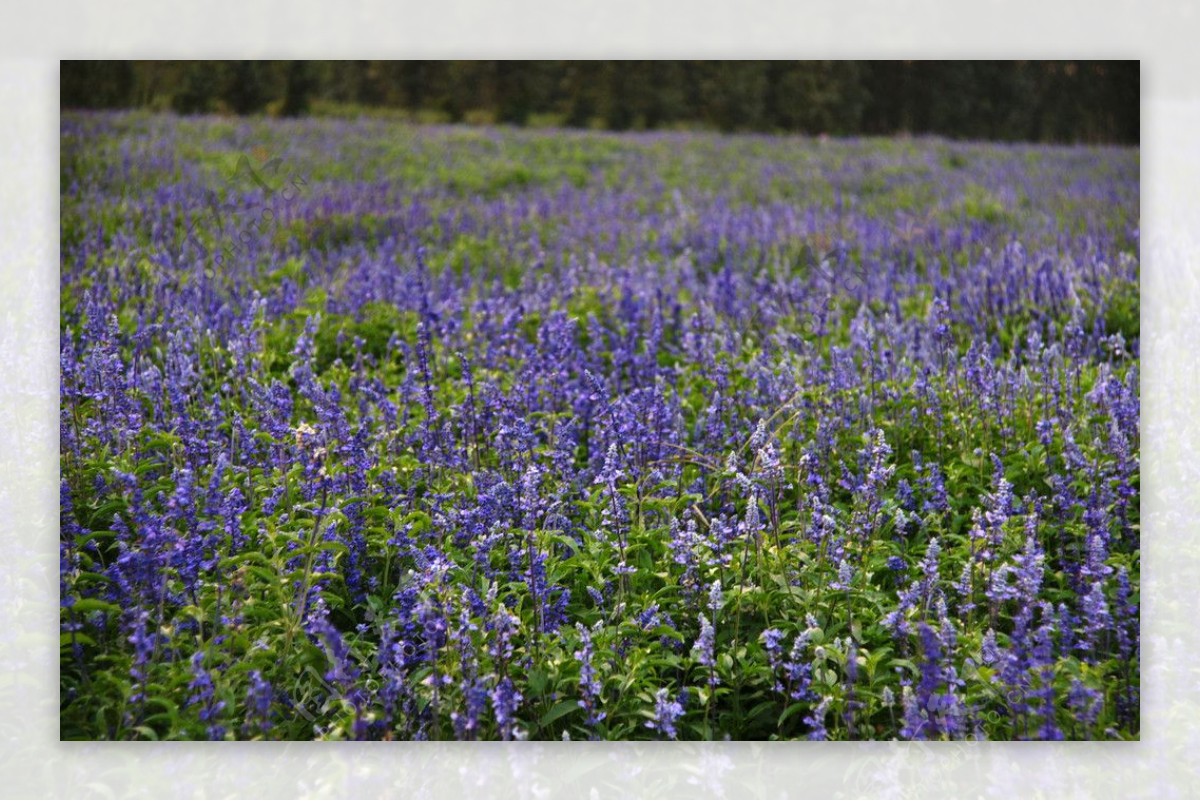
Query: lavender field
(379, 431)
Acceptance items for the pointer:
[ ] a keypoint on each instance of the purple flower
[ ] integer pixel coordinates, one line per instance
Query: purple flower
(666, 714)
(204, 696)
(467, 722)
(1096, 618)
(506, 700)
(704, 651)
(845, 577)
(589, 684)
(773, 642)
(797, 671)
(716, 598)
(816, 720)
(258, 705)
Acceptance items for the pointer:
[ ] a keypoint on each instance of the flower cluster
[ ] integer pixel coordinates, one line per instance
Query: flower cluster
(495, 434)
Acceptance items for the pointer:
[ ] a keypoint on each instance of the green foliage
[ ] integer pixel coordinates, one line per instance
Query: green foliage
(245, 617)
(1065, 101)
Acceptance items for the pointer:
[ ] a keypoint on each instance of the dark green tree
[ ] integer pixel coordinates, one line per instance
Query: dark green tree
(582, 84)
(1061, 101)
(96, 84)
(816, 96)
(513, 92)
(733, 94)
(298, 87)
(247, 86)
(199, 89)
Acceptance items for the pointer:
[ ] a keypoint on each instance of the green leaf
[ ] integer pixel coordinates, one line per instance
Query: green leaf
(86, 605)
(146, 732)
(561, 709)
(65, 639)
(537, 681)
(787, 713)
(334, 545)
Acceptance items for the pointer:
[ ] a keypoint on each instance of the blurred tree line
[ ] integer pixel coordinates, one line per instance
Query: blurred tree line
(1049, 101)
